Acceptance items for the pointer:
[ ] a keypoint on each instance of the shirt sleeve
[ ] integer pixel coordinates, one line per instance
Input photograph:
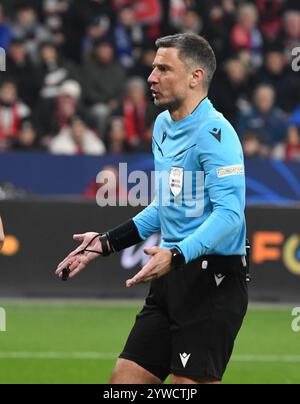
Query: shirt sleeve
(148, 221)
(221, 157)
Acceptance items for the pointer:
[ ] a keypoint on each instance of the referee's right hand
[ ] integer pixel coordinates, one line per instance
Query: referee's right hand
(77, 260)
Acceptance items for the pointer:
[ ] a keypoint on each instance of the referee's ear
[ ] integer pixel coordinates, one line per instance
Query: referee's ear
(151, 251)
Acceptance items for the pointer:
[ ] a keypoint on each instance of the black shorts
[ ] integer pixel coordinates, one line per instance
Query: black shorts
(190, 320)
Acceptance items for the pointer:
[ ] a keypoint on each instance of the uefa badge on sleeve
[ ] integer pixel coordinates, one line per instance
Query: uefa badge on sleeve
(176, 180)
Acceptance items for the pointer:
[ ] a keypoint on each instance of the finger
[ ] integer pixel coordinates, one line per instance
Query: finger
(74, 264)
(145, 272)
(76, 271)
(65, 263)
(78, 237)
(150, 278)
(71, 255)
(61, 266)
(62, 263)
(78, 250)
(151, 251)
(146, 279)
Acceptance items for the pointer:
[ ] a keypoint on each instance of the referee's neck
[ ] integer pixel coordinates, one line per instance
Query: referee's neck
(187, 107)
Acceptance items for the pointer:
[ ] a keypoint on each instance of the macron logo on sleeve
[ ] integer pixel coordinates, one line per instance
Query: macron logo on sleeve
(217, 134)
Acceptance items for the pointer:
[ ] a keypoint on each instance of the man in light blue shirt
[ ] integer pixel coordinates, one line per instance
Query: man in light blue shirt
(198, 296)
(202, 142)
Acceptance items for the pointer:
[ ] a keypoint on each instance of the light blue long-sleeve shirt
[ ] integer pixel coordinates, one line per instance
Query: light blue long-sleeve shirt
(200, 185)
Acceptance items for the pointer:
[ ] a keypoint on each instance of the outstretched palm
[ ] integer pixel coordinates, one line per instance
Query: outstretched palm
(78, 259)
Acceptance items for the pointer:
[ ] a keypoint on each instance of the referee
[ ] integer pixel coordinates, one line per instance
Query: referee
(198, 296)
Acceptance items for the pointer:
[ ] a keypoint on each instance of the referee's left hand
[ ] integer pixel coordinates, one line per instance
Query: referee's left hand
(159, 265)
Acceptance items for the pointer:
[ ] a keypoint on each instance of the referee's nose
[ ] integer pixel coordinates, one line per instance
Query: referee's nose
(153, 78)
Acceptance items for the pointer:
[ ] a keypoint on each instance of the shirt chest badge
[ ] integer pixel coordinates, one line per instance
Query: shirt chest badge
(176, 180)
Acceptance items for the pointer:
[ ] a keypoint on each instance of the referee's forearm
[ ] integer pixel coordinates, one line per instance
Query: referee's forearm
(213, 232)
(124, 236)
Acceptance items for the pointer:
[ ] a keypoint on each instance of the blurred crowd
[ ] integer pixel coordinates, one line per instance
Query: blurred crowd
(76, 72)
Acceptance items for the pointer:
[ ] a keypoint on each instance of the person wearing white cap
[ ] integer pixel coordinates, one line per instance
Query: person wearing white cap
(70, 88)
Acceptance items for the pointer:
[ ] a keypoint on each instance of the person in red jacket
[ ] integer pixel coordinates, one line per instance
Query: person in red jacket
(293, 144)
(245, 35)
(147, 12)
(138, 114)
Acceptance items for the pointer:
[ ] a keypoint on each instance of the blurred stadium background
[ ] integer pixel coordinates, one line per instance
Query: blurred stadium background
(74, 101)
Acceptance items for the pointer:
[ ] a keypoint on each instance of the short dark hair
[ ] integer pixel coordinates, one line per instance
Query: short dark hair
(195, 48)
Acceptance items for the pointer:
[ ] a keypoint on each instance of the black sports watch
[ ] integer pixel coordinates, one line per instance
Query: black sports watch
(178, 259)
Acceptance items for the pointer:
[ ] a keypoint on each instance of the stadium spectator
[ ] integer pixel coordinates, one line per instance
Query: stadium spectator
(231, 90)
(12, 112)
(77, 139)
(112, 192)
(52, 115)
(23, 71)
(97, 29)
(293, 144)
(290, 37)
(264, 119)
(116, 138)
(149, 14)
(79, 14)
(293, 137)
(270, 17)
(138, 113)
(39, 37)
(28, 29)
(251, 145)
(191, 23)
(278, 74)
(54, 11)
(246, 36)
(294, 120)
(6, 33)
(143, 65)
(128, 37)
(173, 12)
(27, 139)
(218, 19)
(103, 82)
(53, 70)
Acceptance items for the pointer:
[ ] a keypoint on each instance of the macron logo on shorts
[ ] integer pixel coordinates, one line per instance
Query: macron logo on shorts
(219, 279)
(184, 359)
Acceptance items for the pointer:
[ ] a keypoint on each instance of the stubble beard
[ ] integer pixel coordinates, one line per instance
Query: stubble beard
(171, 106)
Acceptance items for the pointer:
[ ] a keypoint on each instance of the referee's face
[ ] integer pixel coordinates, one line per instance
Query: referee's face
(169, 79)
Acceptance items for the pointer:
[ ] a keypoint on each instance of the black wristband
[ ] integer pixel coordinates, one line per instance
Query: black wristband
(178, 260)
(124, 236)
(104, 244)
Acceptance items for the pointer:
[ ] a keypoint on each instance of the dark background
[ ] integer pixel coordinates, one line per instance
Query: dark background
(45, 229)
